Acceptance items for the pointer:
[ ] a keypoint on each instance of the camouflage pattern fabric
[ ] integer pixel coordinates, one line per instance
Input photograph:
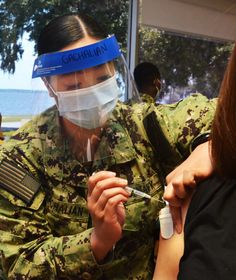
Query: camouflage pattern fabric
(147, 98)
(45, 232)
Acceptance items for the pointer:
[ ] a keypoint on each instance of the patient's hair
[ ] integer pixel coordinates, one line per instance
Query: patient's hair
(224, 124)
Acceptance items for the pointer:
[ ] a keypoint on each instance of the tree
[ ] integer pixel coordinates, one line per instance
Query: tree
(17, 17)
(183, 59)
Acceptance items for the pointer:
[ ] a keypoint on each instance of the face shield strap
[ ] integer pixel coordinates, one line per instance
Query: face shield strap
(77, 59)
(132, 92)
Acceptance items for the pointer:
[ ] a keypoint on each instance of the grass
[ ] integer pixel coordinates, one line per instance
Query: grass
(14, 118)
(7, 132)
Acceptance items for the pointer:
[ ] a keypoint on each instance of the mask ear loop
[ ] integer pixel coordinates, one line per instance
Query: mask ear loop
(49, 88)
(51, 91)
(157, 84)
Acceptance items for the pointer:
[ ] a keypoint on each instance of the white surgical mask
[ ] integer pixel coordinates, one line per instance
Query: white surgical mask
(89, 107)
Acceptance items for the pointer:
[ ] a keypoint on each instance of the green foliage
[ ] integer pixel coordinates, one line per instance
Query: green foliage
(182, 59)
(17, 17)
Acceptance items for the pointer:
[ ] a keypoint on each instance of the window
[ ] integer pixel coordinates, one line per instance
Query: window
(190, 42)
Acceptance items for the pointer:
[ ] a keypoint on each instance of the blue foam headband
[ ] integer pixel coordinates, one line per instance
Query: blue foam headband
(77, 59)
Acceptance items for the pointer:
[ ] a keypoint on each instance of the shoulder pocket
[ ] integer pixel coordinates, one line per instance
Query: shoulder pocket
(165, 152)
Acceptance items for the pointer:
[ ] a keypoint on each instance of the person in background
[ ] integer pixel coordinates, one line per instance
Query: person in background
(148, 80)
(209, 228)
(69, 206)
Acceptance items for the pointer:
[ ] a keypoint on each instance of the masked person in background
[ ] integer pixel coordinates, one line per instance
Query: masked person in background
(148, 80)
(69, 206)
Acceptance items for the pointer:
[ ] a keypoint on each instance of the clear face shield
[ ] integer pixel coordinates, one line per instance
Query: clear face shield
(87, 84)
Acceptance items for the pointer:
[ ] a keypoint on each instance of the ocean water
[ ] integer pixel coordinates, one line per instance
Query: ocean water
(14, 102)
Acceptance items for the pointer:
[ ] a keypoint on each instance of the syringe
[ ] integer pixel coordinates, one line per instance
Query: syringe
(136, 192)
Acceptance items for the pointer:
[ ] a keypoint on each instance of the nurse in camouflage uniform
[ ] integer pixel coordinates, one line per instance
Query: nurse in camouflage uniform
(59, 222)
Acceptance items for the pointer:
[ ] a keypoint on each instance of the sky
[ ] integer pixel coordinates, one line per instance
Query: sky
(21, 79)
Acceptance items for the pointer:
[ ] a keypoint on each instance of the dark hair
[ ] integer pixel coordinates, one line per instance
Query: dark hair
(144, 75)
(66, 29)
(224, 124)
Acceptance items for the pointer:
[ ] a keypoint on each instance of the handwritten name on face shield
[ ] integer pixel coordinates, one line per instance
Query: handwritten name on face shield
(77, 59)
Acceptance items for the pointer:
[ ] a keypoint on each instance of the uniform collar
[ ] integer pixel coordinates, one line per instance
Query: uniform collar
(120, 145)
(147, 98)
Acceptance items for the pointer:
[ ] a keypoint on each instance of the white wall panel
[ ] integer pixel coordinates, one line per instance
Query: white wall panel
(217, 22)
